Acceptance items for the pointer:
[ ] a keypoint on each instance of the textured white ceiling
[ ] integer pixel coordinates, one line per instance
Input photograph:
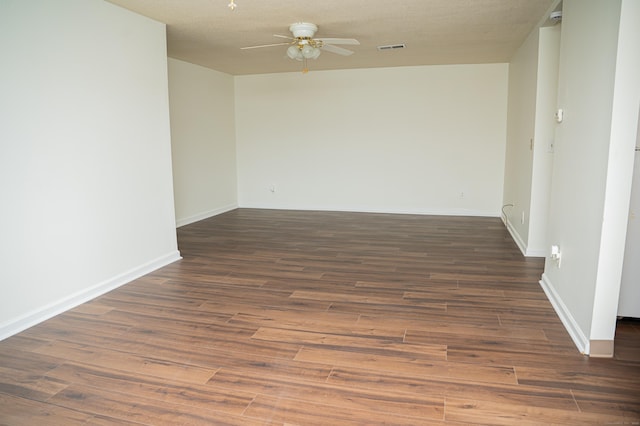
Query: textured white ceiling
(207, 33)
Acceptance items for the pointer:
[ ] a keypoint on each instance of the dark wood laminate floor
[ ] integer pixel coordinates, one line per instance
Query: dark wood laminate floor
(305, 318)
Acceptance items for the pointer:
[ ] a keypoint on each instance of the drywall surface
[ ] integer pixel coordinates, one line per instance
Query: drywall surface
(580, 166)
(85, 159)
(520, 137)
(623, 136)
(544, 139)
(407, 140)
(533, 80)
(202, 141)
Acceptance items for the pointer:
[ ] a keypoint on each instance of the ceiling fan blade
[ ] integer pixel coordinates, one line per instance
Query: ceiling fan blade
(263, 45)
(281, 36)
(335, 49)
(351, 41)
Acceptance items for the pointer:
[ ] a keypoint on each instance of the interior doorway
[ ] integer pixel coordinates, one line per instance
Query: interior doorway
(629, 302)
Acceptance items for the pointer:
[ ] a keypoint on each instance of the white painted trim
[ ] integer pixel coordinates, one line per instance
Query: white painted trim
(515, 235)
(205, 215)
(536, 252)
(579, 339)
(424, 212)
(524, 249)
(32, 318)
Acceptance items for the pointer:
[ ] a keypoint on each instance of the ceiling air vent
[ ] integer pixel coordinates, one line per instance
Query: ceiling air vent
(391, 47)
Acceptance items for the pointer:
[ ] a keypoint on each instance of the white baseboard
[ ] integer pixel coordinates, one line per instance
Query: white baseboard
(205, 215)
(515, 235)
(44, 313)
(350, 209)
(536, 252)
(574, 330)
(524, 249)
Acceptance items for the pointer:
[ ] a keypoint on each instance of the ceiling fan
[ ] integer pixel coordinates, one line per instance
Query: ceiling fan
(303, 45)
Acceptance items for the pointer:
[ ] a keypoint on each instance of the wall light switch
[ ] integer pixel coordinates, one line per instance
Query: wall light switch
(559, 115)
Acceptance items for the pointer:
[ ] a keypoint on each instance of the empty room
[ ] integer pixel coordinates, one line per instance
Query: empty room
(296, 212)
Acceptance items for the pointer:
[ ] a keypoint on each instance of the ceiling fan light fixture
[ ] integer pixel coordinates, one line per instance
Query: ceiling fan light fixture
(294, 53)
(316, 53)
(308, 51)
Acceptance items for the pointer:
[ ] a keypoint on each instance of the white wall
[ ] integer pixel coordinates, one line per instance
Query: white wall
(544, 139)
(85, 161)
(623, 136)
(202, 141)
(521, 116)
(591, 175)
(533, 75)
(415, 139)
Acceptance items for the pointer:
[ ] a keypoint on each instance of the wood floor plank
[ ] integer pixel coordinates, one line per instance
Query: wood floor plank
(299, 317)
(87, 399)
(514, 354)
(18, 411)
(487, 348)
(450, 332)
(437, 319)
(354, 343)
(572, 376)
(295, 411)
(151, 388)
(33, 361)
(90, 309)
(404, 284)
(228, 341)
(144, 365)
(457, 388)
(37, 387)
(100, 420)
(400, 364)
(318, 323)
(346, 297)
(617, 403)
(391, 309)
(188, 326)
(487, 412)
(22, 342)
(627, 347)
(275, 315)
(285, 303)
(133, 307)
(345, 397)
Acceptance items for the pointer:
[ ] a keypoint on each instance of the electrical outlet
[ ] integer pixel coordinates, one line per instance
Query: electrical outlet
(556, 255)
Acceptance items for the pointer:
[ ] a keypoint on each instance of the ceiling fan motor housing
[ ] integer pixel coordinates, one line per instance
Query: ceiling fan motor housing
(303, 30)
